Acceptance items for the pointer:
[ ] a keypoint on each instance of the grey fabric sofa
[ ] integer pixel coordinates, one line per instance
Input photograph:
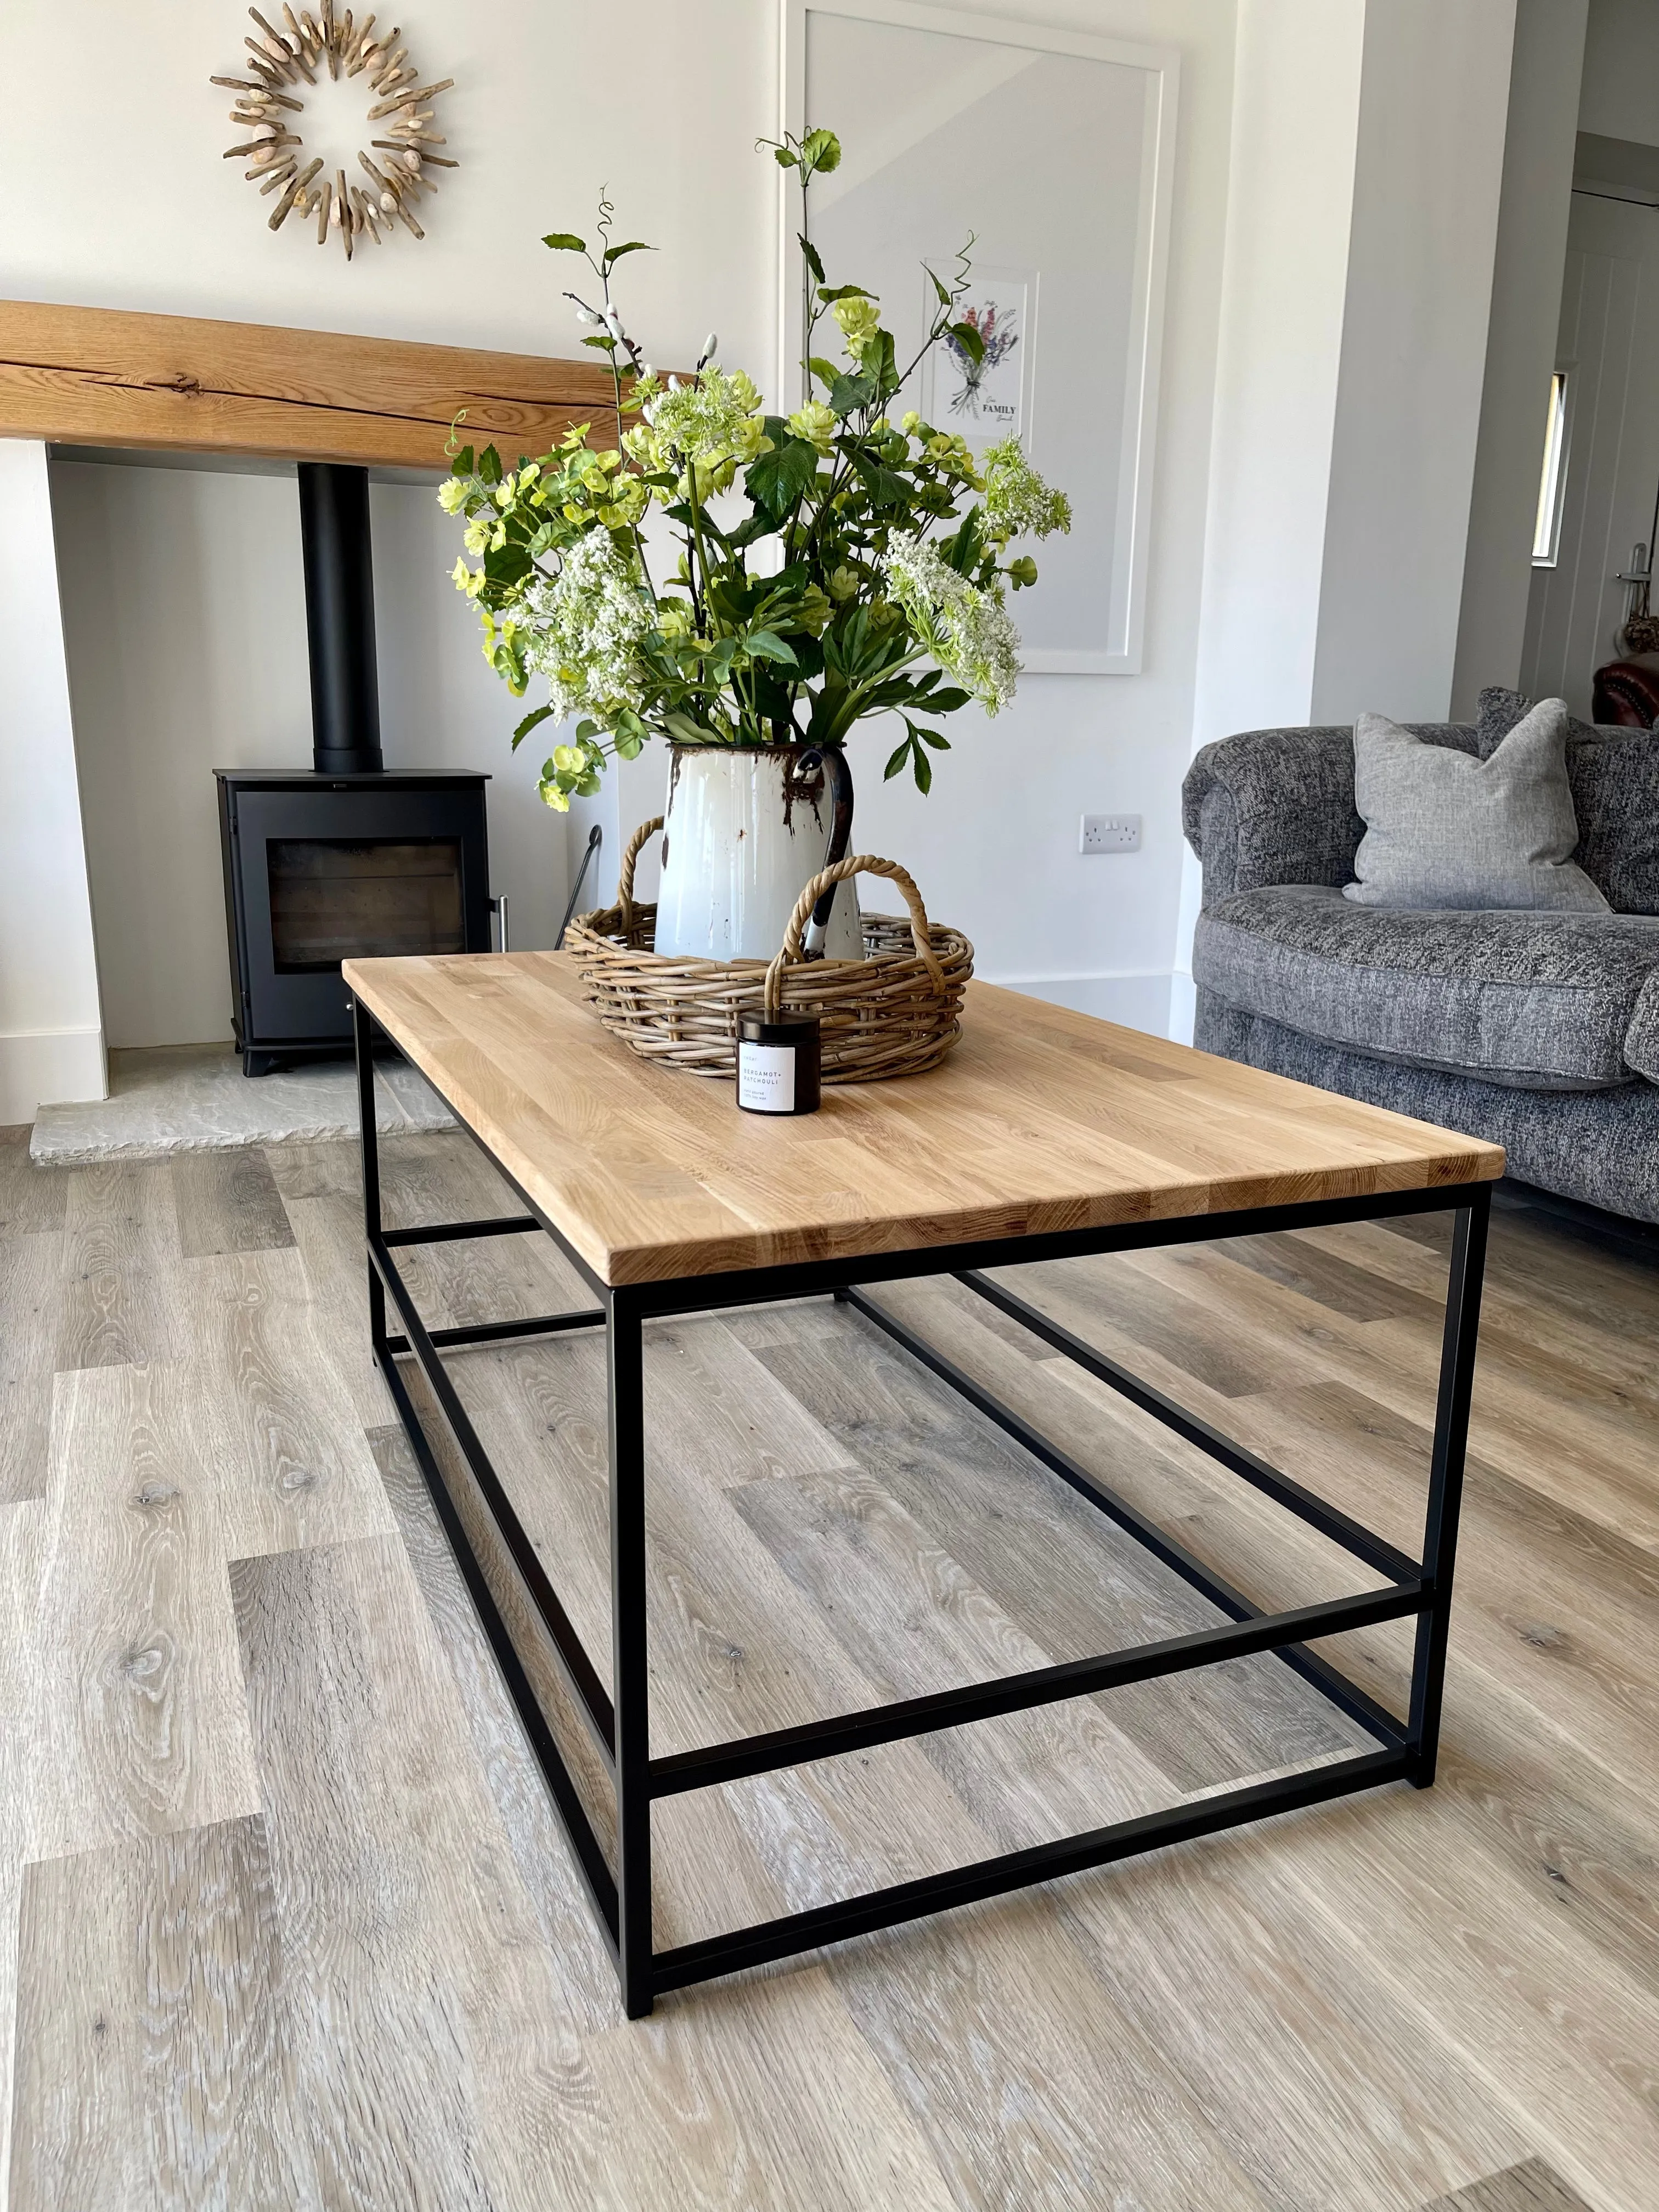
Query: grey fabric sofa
(1538, 1031)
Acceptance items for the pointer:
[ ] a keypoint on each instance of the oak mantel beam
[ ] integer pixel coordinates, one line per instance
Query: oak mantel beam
(100, 376)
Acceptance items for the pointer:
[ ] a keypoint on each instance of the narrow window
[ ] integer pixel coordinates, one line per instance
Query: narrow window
(1552, 481)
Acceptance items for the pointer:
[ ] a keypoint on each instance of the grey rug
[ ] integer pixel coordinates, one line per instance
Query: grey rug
(195, 1098)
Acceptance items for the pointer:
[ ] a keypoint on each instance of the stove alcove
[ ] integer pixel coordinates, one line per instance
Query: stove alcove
(346, 860)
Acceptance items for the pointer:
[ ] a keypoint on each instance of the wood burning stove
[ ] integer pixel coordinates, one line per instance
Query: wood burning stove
(346, 860)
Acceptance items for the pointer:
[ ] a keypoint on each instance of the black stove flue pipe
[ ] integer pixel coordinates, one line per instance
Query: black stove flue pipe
(345, 697)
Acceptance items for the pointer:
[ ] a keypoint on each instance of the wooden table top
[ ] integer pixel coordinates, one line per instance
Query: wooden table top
(1040, 1120)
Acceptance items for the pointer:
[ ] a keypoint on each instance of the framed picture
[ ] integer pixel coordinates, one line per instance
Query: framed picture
(1035, 167)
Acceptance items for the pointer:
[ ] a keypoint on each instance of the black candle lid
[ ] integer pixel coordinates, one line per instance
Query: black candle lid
(786, 1029)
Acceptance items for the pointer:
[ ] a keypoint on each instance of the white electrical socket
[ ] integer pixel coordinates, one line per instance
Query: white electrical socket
(1109, 833)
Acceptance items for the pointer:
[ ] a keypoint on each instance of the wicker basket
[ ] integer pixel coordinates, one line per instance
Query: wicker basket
(895, 1013)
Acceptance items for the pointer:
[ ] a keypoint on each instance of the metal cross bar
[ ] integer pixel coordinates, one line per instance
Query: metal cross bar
(1038, 1686)
(1097, 1492)
(1317, 1512)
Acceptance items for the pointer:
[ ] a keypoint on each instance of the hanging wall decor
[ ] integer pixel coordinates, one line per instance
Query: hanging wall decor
(270, 108)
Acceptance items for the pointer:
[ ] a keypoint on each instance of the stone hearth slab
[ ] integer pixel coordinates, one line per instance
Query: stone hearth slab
(195, 1098)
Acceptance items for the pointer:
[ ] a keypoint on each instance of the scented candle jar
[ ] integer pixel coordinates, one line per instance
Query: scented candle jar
(778, 1064)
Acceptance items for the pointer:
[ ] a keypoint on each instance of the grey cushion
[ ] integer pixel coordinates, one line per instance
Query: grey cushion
(1614, 775)
(1444, 831)
(1541, 1000)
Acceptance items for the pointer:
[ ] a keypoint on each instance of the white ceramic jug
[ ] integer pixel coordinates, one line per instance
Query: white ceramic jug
(745, 830)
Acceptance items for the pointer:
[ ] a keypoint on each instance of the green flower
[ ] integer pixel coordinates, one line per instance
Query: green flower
(814, 612)
(1018, 502)
(816, 424)
(860, 321)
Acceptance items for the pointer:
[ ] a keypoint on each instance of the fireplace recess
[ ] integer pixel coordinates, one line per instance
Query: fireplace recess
(346, 860)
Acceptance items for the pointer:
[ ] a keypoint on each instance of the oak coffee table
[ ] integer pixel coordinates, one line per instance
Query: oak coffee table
(1045, 1136)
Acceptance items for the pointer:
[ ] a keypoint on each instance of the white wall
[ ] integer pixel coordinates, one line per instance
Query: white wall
(1428, 165)
(50, 1040)
(1526, 310)
(1620, 93)
(994, 848)
(1368, 140)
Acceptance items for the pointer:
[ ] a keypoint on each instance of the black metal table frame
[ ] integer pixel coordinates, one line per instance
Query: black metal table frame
(618, 1720)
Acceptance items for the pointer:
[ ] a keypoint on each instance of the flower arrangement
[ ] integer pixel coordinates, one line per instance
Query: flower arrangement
(869, 575)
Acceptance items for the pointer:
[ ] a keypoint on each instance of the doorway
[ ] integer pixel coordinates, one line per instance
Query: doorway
(1596, 508)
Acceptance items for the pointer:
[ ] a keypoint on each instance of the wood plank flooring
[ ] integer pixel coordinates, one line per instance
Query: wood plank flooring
(286, 1919)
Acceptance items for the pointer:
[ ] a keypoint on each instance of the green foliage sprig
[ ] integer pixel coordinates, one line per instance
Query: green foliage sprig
(882, 585)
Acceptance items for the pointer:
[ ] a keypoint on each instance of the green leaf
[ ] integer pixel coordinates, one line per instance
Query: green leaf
(969, 340)
(848, 394)
(810, 254)
(821, 152)
(463, 462)
(884, 487)
(825, 371)
(605, 341)
(948, 701)
(828, 293)
(785, 156)
(767, 645)
(565, 241)
(683, 727)
(921, 767)
(633, 245)
(489, 466)
(529, 723)
(946, 297)
(776, 480)
(940, 745)
(879, 362)
(896, 763)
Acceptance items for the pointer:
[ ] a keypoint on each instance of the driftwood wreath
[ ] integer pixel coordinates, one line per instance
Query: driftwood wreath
(269, 107)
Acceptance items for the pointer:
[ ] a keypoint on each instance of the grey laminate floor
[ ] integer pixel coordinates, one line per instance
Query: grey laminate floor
(285, 1919)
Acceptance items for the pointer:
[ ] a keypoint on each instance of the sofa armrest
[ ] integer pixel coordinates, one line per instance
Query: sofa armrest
(1273, 806)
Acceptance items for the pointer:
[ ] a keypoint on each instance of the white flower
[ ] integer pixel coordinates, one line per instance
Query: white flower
(585, 315)
(711, 345)
(583, 627)
(968, 631)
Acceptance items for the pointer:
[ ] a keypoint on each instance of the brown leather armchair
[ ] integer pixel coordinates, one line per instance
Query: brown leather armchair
(1627, 692)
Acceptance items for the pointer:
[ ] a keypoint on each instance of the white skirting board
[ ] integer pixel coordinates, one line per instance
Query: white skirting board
(36, 1065)
(1137, 999)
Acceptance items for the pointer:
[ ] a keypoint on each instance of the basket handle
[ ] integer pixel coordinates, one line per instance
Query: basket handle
(855, 864)
(635, 845)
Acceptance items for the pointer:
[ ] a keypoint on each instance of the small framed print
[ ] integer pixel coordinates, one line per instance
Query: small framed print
(990, 397)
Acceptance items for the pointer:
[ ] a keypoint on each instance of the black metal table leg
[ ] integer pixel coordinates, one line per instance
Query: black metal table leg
(630, 1686)
(1451, 1431)
(362, 1032)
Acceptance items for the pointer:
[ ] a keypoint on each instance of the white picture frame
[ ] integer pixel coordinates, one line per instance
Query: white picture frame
(1105, 274)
